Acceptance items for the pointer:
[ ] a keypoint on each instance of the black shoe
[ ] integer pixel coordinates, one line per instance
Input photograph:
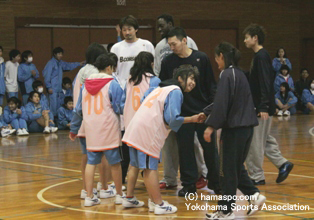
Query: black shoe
(218, 191)
(261, 182)
(187, 189)
(284, 171)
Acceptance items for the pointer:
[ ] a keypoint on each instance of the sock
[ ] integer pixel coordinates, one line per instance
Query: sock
(129, 197)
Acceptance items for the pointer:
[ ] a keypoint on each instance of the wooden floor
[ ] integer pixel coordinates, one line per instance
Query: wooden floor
(39, 179)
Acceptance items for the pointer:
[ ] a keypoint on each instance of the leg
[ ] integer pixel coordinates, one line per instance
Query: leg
(152, 185)
(114, 159)
(15, 124)
(104, 172)
(84, 160)
(22, 123)
(199, 155)
(53, 103)
(171, 159)
(34, 127)
(93, 158)
(125, 160)
(255, 157)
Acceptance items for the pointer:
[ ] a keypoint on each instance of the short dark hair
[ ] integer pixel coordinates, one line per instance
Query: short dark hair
(284, 67)
(68, 99)
(25, 55)
(114, 57)
(109, 47)
(15, 101)
(103, 61)
(93, 51)
(168, 18)
(129, 20)
(285, 54)
(36, 84)
(256, 30)
(13, 53)
(303, 70)
(32, 94)
(231, 54)
(178, 32)
(57, 50)
(1, 48)
(66, 80)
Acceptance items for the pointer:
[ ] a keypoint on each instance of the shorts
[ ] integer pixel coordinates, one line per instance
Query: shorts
(142, 161)
(83, 145)
(113, 156)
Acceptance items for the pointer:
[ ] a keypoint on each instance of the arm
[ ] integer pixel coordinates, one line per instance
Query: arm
(47, 72)
(157, 61)
(7, 117)
(291, 84)
(118, 29)
(115, 94)
(22, 74)
(123, 98)
(265, 82)
(77, 115)
(154, 82)
(292, 99)
(62, 120)
(30, 115)
(37, 73)
(208, 81)
(276, 65)
(147, 93)
(288, 64)
(23, 115)
(163, 75)
(69, 66)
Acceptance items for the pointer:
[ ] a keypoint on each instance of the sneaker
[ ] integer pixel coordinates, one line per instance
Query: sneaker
(25, 131)
(284, 171)
(6, 132)
(259, 202)
(187, 189)
(19, 132)
(108, 193)
(113, 186)
(119, 199)
(201, 183)
(286, 113)
(46, 130)
(151, 205)
(164, 185)
(257, 183)
(132, 203)
(99, 186)
(84, 193)
(91, 201)
(166, 208)
(53, 129)
(220, 215)
(280, 113)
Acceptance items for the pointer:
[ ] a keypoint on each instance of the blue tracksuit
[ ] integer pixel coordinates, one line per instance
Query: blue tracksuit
(33, 126)
(44, 100)
(53, 74)
(277, 64)
(2, 82)
(64, 117)
(26, 79)
(280, 79)
(307, 97)
(290, 100)
(62, 95)
(17, 121)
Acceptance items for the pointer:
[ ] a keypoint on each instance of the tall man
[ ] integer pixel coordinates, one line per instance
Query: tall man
(261, 81)
(170, 150)
(126, 52)
(194, 102)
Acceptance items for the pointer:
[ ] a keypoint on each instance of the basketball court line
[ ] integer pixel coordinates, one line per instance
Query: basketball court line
(311, 131)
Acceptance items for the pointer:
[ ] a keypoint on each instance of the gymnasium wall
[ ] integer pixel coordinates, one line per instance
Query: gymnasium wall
(287, 22)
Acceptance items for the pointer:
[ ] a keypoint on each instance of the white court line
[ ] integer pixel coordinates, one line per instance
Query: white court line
(311, 131)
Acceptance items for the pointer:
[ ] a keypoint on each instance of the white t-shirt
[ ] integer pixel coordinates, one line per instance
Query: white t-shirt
(126, 53)
(163, 49)
(10, 76)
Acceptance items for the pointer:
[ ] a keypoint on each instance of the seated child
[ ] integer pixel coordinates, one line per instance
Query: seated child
(65, 114)
(15, 114)
(5, 129)
(308, 97)
(286, 101)
(38, 86)
(40, 119)
(284, 76)
(66, 90)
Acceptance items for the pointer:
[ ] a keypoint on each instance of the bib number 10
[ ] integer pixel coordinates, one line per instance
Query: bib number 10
(96, 101)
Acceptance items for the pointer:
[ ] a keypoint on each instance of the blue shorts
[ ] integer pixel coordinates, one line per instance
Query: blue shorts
(113, 156)
(141, 160)
(83, 145)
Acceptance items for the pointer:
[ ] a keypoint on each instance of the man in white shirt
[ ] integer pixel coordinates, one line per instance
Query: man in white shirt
(126, 52)
(10, 74)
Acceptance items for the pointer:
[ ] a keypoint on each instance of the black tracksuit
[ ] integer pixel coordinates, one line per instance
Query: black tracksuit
(233, 111)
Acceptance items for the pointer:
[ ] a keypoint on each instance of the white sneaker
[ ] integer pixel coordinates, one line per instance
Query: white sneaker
(151, 205)
(132, 203)
(53, 129)
(104, 194)
(84, 193)
(113, 186)
(46, 130)
(286, 113)
(90, 202)
(259, 202)
(25, 131)
(280, 113)
(6, 132)
(220, 215)
(19, 132)
(119, 199)
(99, 186)
(166, 208)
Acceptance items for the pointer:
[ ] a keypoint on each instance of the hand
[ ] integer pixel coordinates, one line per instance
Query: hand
(45, 112)
(82, 63)
(18, 111)
(281, 60)
(264, 115)
(207, 133)
(195, 118)
(72, 136)
(50, 91)
(69, 125)
(118, 29)
(33, 72)
(202, 117)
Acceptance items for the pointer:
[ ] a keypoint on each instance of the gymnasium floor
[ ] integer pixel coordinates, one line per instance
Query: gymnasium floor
(39, 179)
